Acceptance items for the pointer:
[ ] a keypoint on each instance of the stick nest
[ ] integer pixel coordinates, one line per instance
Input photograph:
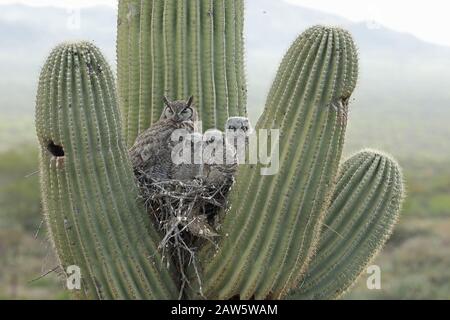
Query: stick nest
(186, 214)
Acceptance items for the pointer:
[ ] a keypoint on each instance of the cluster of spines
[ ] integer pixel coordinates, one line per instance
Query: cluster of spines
(89, 196)
(274, 221)
(178, 49)
(365, 208)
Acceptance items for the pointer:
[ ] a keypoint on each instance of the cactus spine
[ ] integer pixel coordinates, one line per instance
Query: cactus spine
(364, 211)
(274, 221)
(90, 197)
(180, 48)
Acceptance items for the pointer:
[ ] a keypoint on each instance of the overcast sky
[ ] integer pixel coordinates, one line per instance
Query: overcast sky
(428, 20)
(63, 3)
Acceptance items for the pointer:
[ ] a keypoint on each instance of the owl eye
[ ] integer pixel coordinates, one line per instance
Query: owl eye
(245, 129)
(168, 112)
(187, 110)
(232, 128)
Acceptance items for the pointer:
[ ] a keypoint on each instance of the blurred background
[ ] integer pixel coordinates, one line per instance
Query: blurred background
(401, 105)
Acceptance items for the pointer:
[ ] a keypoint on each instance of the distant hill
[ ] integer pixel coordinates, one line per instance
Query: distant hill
(401, 103)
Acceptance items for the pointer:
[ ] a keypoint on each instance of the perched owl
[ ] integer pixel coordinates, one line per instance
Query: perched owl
(239, 125)
(190, 152)
(179, 110)
(238, 131)
(152, 152)
(219, 159)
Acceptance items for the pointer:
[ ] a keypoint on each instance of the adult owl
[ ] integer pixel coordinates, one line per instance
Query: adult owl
(151, 154)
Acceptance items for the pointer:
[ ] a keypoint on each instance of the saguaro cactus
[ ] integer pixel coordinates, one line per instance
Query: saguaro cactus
(273, 226)
(365, 208)
(180, 48)
(88, 187)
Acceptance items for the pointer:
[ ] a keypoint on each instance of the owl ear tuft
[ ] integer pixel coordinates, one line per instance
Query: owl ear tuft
(166, 101)
(190, 101)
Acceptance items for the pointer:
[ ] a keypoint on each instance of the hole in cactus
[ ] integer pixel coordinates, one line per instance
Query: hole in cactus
(55, 150)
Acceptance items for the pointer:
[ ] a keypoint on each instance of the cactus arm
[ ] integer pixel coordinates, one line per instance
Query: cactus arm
(180, 48)
(364, 211)
(52, 201)
(90, 200)
(274, 221)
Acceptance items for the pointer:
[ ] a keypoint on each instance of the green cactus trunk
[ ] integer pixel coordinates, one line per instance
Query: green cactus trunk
(179, 49)
(364, 211)
(273, 224)
(89, 195)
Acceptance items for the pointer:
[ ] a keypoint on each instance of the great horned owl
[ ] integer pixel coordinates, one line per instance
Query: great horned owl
(238, 131)
(239, 125)
(151, 154)
(219, 165)
(219, 159)
(190, 155)
(179, 110)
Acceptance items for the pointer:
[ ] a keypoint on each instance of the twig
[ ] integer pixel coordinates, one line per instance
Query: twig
(175, 206)
(32, 174)
(44, 275)
(39, 229)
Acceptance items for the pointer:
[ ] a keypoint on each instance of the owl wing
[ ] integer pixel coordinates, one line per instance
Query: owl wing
(151, 150)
